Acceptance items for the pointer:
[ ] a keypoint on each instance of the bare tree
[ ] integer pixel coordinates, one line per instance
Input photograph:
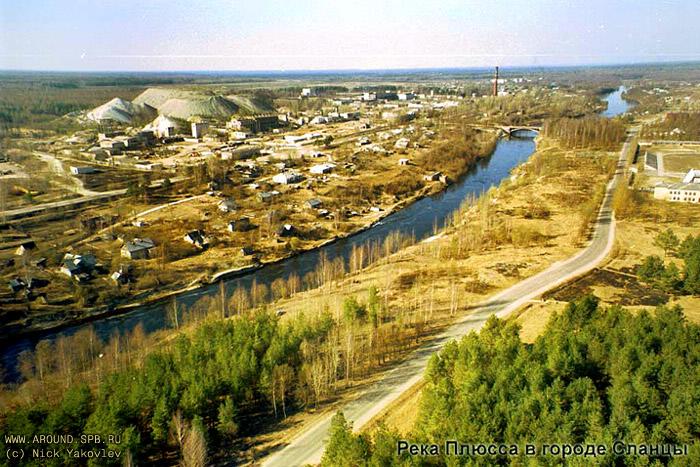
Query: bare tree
(222, 297)
(178, 428)
(194, 449)
(282, 376)
(174, 313)
(44, 358)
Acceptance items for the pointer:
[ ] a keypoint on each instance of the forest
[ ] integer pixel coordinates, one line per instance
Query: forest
(586, 133)
(682, 126)
(187, 397)
(595, 376)
(199, 393)
(666, 275)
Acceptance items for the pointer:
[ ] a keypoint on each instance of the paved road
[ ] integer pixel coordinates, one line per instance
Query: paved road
(307, 448)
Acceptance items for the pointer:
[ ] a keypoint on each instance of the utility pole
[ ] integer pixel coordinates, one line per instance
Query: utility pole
(495, 83)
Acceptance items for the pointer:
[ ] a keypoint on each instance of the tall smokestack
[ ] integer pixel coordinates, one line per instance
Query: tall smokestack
(495, 83)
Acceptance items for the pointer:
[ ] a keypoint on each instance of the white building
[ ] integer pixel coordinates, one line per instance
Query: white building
(402, 143)
(302, 139)
(227, 205)
(287, 178)
(199, 129)
(319, 120)
(693, 176)
(82, 170)
(678, 192)
(322, 168)
(163, 127)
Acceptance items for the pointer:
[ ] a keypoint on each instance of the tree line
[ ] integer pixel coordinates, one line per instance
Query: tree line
(674, 126)
(593, 377)
(586, 133)
(667, 276)
(195, 395)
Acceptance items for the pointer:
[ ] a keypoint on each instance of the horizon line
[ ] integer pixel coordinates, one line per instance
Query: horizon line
(357, 70)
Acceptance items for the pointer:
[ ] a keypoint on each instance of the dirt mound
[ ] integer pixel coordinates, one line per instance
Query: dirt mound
(156, 97)
(209, 107)
(249, 106)
(122, 111)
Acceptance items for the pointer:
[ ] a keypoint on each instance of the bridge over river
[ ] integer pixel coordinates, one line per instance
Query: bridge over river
(510, 130)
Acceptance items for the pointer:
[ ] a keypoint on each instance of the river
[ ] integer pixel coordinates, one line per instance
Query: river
(616, 104)
(418, 219)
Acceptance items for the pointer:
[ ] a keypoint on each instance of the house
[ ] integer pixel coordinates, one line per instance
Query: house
(678, 192)
(255, 124)
(363, 141)
(433, 177)
(164, 127)
(227, 205)
(98, 154)
(41, 263)
(114, 146)
(82, 170)
(138, 248)
(241, 225)
(266, 196)
(122, 276)
(406, 96)
(78, 266)
(287, 178)
(402, 143)
(131, 142)
(350, 115)
(319, 120)
(314, 203)
(308, 92)
(388, 95)
(16, 284)
(287, 230)
(199, 129)
(404, 161)
(302, 139)
(324, 168)
(25, 248)
(247, 251)
(148, 166)
(197, 237)
(118, 277)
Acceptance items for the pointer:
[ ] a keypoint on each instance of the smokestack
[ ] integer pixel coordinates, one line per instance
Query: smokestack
(495, 83)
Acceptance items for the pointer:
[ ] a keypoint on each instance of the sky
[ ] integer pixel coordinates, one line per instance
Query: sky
(218, 35)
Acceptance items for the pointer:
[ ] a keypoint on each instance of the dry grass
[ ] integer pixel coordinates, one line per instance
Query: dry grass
(432, 279)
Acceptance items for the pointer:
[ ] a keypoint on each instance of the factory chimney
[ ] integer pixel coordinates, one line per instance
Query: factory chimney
(495, 83)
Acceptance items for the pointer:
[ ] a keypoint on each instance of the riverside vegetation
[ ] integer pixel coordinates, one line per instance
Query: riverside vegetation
(191, 395)
(280, 366)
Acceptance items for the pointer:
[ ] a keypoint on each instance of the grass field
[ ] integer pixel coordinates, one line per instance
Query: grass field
(676, 158)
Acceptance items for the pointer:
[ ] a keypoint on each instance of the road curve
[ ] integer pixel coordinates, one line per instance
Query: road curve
(307, 448)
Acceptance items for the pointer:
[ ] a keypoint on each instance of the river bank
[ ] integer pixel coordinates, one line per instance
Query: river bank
(532, 220)
(152, 311)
